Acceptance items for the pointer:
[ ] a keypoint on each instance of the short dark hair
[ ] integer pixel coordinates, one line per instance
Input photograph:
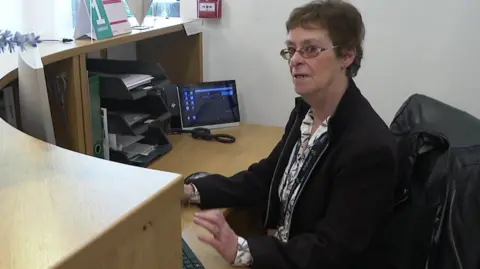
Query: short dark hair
(341, 19)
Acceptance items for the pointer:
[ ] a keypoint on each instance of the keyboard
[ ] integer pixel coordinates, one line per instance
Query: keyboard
(190, 260)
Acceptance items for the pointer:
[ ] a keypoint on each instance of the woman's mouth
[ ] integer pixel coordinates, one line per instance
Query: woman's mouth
(300, 76)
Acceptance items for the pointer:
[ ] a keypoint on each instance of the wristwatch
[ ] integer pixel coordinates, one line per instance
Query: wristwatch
(195, 197)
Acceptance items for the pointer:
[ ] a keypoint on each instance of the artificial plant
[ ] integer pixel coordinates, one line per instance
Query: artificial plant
(9, 41)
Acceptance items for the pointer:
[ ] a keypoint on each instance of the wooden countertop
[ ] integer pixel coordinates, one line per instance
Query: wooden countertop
(56, 51)
(254, 142)
(54, 201)
(188, 155)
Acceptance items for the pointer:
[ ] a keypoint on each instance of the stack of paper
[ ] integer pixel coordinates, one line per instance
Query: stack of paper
(132, 81)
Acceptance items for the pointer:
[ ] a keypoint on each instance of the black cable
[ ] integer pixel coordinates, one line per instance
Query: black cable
(206, 134)
(63, 40)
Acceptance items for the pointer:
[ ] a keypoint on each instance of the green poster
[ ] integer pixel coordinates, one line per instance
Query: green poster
(101, 24)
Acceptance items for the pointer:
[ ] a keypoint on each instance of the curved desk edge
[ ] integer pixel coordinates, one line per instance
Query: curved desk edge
(94, 211)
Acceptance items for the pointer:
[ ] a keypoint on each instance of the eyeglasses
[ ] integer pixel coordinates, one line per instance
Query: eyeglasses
(307, 52)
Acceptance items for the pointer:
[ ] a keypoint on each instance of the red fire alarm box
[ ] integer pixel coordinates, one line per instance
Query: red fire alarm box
(208, 9)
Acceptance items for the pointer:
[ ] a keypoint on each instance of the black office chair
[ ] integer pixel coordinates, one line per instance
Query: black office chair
(435, 223)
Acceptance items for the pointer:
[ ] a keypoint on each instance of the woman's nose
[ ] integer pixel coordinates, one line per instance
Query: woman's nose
(296, 59)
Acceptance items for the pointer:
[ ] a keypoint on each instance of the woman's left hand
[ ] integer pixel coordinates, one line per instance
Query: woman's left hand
(224, 240)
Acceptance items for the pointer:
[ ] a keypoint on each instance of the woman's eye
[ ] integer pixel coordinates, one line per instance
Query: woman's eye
(310, 49)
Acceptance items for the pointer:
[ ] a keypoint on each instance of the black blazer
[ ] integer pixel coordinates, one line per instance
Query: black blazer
(345, 201)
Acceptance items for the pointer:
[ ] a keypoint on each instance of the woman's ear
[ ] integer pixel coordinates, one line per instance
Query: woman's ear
(349, 57)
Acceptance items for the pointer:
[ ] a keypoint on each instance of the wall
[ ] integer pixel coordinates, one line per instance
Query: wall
(10, 20)
(50, 19)
(409, 48)
(421, 50)
(245, 46)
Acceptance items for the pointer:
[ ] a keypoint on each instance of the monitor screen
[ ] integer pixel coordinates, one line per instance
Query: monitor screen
(209, 104)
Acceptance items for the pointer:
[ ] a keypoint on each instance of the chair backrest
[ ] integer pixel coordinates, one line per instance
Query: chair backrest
(458, 243)
(429, 133)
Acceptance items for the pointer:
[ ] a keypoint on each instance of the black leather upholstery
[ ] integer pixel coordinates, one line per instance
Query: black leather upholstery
(436, 224)
(459, 244)
(420, 113)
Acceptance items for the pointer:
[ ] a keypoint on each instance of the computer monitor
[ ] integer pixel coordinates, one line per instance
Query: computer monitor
(36, 118)
(209, 105)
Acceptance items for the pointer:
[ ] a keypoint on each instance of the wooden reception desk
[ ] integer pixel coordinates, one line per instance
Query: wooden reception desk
(67, 210)
(61, 209)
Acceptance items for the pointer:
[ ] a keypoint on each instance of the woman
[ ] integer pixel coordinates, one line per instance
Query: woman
(328, 184)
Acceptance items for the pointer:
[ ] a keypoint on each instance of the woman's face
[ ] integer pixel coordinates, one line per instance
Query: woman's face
(311, 72)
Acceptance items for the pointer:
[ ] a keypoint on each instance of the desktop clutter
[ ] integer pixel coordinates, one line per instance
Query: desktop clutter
(134, 107)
